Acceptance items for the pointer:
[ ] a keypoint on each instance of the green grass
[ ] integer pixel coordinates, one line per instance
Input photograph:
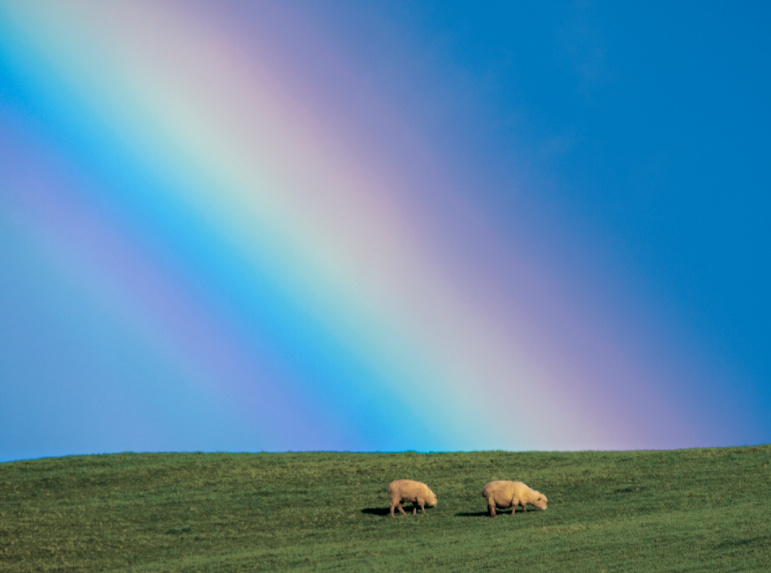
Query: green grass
(688, 510)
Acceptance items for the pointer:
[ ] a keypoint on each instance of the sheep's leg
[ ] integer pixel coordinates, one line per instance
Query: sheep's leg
(422, 507)
(491, 506)
(514, 504)
(401, 508)
(393, 505)
(414, 507)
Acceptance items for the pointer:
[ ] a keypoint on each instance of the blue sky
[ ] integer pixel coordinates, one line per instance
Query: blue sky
(618, 151)
(641, 131)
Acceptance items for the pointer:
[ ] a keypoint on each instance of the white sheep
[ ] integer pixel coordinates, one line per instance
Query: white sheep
(418, 493)
(511, 494)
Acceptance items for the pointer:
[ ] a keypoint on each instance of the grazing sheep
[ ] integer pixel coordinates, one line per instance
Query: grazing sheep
(418, 493)
(511, 494)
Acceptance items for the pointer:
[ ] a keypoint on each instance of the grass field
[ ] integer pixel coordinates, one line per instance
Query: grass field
(688, 510)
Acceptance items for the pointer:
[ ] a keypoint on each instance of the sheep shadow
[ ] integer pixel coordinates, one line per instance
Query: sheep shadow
(483, 513)
(377, 510)
(387, 510)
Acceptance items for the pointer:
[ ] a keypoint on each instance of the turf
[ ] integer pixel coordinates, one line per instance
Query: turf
(687, 510)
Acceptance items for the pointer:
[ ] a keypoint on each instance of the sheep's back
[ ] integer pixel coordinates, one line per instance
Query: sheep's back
(504, 491)
(407, 489)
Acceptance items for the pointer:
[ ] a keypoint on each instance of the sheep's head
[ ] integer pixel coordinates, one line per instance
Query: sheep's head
(431, 498)
(540, 500)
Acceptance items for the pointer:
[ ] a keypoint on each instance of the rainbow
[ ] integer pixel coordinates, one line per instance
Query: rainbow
(296, 266)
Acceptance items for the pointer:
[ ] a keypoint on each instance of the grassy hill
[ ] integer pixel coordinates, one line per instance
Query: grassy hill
(688, 510)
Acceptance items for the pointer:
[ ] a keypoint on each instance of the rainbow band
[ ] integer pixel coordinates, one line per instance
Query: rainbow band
(208, 192)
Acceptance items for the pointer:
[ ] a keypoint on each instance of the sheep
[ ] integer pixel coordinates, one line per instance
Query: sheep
(408, 490)
(511, 494)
